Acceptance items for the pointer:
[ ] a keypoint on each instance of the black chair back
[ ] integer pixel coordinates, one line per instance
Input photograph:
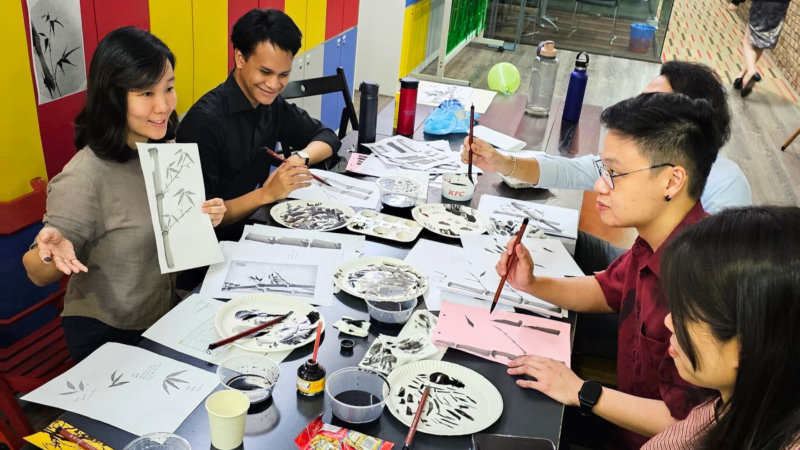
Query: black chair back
(326, 85)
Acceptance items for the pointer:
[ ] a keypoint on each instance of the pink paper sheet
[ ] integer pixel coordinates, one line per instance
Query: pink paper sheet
(355, 161)
(474, 328)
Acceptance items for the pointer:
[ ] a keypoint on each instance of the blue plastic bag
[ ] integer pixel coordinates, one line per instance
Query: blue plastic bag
(449, 117)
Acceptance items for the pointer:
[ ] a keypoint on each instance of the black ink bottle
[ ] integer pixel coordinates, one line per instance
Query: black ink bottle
(311, 378)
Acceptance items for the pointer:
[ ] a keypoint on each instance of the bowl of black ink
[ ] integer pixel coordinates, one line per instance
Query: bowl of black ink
(390, 311)
(253, 375)
(398, 194)
(356, 395)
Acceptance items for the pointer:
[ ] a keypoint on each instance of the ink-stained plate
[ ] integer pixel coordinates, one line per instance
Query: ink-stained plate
(251, 310)
(312, 215)
(451, 220)
(380, 278)
(460, 401)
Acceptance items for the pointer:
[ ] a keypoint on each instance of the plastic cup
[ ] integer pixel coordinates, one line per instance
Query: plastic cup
(159, 441)
(253, 375)
(356, 395)
(390, 312)
(398, 191)
(227, 414)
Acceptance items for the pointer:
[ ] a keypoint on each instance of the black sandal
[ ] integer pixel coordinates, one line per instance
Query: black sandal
(748, 88)
(737, 84)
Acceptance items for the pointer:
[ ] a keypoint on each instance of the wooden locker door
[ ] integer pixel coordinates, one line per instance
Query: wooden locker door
(331, 113)
(333, 18)
(314, 60)
(298, 73)
(350, 16)
(236, 9)
(276, 4)
(315, 23)
(298, 11)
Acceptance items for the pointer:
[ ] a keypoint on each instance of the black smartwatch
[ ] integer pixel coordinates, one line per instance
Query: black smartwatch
(589, 395)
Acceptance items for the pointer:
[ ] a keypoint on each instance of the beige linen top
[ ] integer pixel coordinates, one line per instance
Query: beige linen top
(101, 207)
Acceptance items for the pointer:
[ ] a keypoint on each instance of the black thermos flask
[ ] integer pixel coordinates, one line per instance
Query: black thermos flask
(368, 115)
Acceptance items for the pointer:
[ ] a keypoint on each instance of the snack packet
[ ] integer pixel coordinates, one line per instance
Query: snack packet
(322, 436)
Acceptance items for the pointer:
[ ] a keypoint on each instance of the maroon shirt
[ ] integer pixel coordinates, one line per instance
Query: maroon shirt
(644, 368)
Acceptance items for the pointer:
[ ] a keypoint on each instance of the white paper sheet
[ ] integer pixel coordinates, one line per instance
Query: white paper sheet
(550, 257)
(294, 271)
(129, 388)
(189, 328)
(432, 94)
(427, 256)
(498, 139)
(352, 247)
(343, 189)
(174, 180)
(423, 322)
(555, 221)
(398, 152)
(482, 98)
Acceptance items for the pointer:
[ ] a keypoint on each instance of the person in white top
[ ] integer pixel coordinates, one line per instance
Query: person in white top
(726, 187)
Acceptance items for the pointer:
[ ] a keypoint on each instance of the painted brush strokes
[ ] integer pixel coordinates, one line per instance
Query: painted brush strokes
(312, 215)
(343, 189)
(387, 353)
(292, 331)
(267, 237)
(381, 279)
(173, 178)
(451, 220)
(553, 220)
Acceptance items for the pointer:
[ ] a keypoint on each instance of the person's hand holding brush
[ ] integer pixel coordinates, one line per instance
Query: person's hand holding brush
(485, 157)
(521, 275)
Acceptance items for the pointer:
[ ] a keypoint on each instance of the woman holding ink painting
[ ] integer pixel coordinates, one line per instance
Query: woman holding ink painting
(97, 226)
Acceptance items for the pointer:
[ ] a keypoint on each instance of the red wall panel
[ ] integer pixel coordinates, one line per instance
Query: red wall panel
(277, 4)
(56, 118)
(333, 18)
(236, 9)
(350, 18)
(112, 14)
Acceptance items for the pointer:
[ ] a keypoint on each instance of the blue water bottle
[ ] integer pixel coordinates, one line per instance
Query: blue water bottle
(576, 89)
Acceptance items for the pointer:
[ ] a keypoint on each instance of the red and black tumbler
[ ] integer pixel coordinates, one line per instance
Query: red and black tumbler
(408, 106)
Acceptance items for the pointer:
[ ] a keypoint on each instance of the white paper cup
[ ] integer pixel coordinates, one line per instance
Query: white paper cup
(227, 413)
(456, 186)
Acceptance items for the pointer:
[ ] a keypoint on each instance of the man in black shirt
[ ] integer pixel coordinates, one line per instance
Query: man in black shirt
(233, 121)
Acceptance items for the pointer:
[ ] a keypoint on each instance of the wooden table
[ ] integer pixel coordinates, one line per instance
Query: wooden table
(275, 423)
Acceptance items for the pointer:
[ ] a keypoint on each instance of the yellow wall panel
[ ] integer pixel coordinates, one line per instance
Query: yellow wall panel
(298, 11)
(315, 23)
(405, 52)
(210, 18)
(20, 144)
(172, 22)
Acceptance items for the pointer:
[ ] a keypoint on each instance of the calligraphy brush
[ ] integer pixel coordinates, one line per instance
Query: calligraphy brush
(417, 416)
(282, 159)
(316, 342)
(313, 316)
(511, 260)
(63, 432)
(471, 124)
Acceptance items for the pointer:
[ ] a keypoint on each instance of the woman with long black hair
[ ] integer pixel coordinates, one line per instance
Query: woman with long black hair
(733, 283)
(97, 226)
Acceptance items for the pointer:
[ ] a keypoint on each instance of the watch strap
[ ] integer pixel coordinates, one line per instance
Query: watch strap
(589, 395)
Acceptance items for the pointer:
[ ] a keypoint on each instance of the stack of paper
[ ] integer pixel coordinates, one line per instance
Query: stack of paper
(340, 189)
(553, 220)
(398, 152)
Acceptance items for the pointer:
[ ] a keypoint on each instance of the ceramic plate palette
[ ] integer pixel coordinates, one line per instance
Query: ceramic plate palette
(385, 226)
(380, 279)
(460, 401)
(249, 311)
(312, 215)
(449, 220)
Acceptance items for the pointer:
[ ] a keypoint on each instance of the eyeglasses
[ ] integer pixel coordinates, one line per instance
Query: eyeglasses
(609, 179)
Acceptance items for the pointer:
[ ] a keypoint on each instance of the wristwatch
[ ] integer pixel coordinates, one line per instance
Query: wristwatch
(589, 395)
(303, 155)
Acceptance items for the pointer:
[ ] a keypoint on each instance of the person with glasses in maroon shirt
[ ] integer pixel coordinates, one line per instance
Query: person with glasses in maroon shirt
(654, 164)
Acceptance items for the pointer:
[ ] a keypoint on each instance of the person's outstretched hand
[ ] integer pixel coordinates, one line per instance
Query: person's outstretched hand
(521, 275)
(550, 377)
(732, 6)
(485, 157)
(285, 179)
(56, 249)
(215, 208)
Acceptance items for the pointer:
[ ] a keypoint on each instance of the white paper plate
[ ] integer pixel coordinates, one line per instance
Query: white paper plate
(390, 292)
(478, 404)
(385, 226)
(312, 215)
(275, 304)
(451, 220)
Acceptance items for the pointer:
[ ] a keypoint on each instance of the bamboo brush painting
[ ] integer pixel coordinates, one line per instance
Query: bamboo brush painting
(56, 34)
(174, 180)
(342, 189)
(506, 214)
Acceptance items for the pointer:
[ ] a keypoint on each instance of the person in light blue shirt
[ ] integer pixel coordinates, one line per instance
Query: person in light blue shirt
(726, 187)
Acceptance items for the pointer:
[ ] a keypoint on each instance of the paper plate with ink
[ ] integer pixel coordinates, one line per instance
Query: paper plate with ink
(312, 215)
(380, 278)
(460, 401)
(248, 311)
(449, 220)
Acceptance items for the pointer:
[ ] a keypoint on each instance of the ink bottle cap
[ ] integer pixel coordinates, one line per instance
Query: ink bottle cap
(347, 346)
(311, 378)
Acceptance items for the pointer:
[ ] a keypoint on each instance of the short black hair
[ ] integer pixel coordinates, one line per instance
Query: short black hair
(127, 59)
(266, 25)
(698, 81)
(669, 129)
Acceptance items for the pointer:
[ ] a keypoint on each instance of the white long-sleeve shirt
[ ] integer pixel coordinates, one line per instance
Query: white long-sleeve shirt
(726, 186)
